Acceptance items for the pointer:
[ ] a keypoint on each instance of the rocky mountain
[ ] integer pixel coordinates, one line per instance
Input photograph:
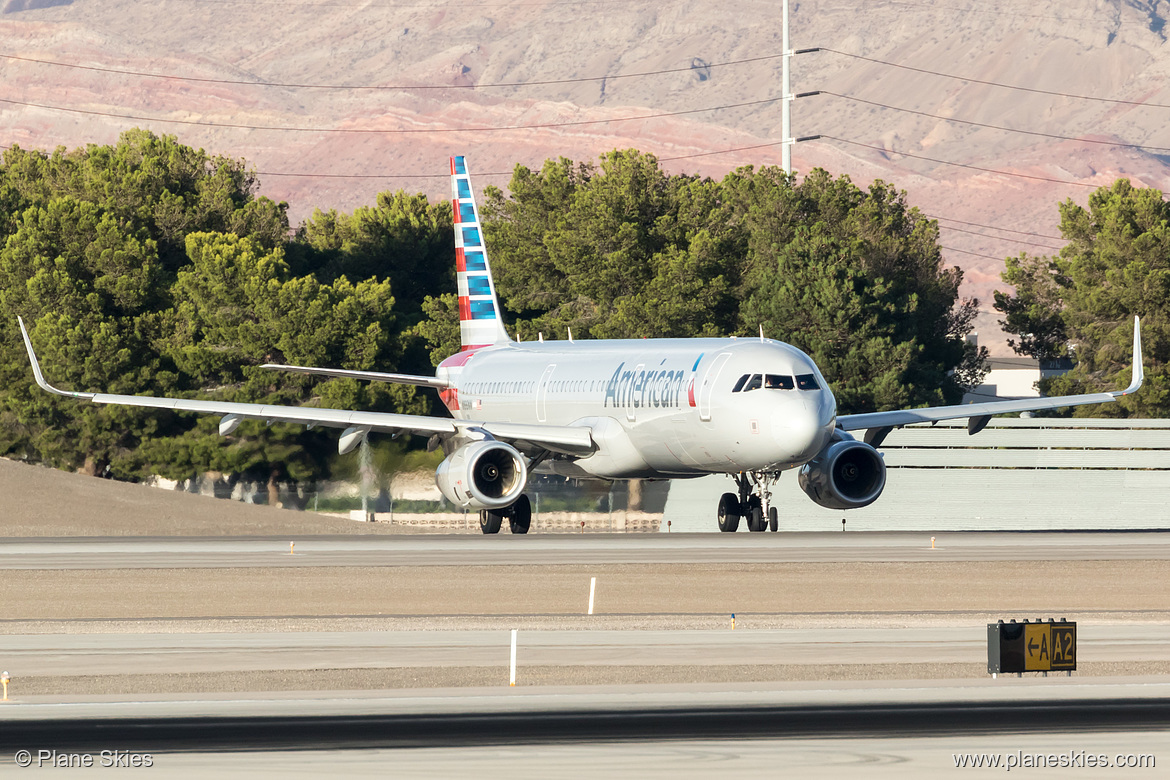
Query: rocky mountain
(335, 100)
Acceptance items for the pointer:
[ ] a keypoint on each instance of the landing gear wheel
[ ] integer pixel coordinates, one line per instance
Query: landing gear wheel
(755, 515)
(729, 510)
(773, 519)
(489, 521)
(520, 515)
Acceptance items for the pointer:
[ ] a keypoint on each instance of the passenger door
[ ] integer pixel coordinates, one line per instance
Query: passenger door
(707, 388)
(542, 393)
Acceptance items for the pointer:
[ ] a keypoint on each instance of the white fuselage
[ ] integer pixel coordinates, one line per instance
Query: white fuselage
(655, 407)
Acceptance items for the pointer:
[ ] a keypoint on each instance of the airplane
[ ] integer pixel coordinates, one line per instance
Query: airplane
(617, 409)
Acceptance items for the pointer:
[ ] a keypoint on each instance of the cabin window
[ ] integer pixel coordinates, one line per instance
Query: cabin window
(807, 382)
(778, 382)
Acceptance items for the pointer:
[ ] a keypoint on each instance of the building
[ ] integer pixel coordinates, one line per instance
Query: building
(1014, 377)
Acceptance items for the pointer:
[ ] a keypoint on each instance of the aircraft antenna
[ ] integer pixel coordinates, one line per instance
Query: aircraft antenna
(761, 331)
(570, 335)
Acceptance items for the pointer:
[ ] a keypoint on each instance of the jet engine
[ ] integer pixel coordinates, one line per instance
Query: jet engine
(847, 474)
(483, 475)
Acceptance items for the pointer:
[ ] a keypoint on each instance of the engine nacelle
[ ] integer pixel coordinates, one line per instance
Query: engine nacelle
(847, 474)
(483, 475)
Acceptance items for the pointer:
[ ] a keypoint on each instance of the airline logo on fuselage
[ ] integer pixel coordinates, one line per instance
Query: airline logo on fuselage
(656, 388)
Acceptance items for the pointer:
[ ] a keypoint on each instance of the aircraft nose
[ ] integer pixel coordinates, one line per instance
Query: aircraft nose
(801, 432)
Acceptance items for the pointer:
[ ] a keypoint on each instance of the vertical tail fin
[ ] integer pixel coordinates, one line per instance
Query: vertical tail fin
(480, 323)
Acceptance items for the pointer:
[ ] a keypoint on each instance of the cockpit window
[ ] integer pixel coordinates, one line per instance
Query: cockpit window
(749, 382)
(807, 382)
(777, 382)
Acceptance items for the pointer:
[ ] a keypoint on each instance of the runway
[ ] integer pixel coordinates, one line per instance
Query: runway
(852, 652)
(220, 652)
(569, 549)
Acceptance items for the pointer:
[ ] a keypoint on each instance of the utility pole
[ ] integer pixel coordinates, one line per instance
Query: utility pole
(786, 141)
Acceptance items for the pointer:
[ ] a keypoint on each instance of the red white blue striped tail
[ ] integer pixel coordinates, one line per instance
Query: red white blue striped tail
(480, 324)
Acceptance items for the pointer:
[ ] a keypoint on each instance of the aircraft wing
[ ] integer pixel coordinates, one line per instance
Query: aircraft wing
(369, 376)
(569, 440)
(879, 424)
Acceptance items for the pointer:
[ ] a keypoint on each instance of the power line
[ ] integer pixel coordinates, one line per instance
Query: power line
(396, 6)
(960, 165)
(999, 12)
(490, 174)
(1000, 238)
(365, 131)
(968, 252)
(994, 127)
(480, 174)
(721, 151)
(992, 227)
(1033, 90)
(389, 87)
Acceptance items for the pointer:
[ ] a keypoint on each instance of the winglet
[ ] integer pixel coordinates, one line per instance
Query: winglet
(1139, 371)
(36, 367)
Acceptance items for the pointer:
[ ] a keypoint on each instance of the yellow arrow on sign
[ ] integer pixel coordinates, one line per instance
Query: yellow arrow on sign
(1037, 647)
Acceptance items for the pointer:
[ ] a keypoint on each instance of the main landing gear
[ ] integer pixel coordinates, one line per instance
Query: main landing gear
(753, 504)
(519, 517)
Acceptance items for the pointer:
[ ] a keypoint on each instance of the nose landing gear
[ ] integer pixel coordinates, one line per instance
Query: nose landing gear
(751, 504)
(729, 513)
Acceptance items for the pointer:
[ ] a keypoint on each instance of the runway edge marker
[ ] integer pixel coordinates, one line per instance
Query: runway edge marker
(512, 663)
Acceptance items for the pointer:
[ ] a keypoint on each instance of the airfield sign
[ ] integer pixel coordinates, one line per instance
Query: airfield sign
(1031, 647)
